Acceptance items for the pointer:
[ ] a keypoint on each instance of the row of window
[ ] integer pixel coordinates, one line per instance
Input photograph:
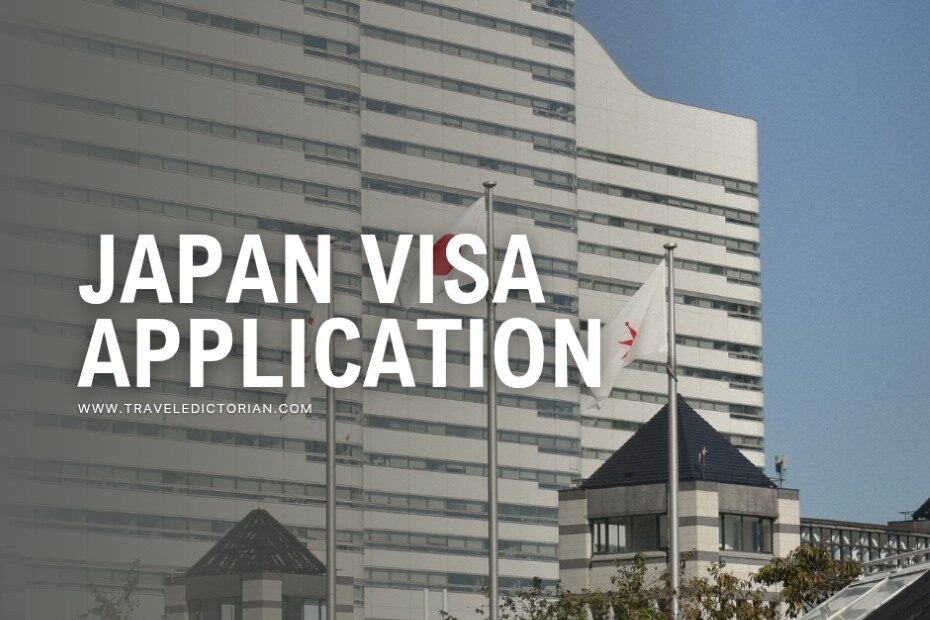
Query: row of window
(540, 71)
(412, 314)
(542, 176)
(545, 479)
(541, 216)
(253, 489)
(745, 442)
(733, 409)
(561, 8)
(463, 357)
(338, 98)
(545, 265)
(544, 407)
(313, 193)
(649, 532)
(739, 246)
(312, 149)
(316, 45)
(736, 380)
(454, 582)
(458, 508)
(747, 533)
(158, 386)
(178, 482)
(166, 526)
(185, 433)
(204, 302)
(339, 9)
(553, 302)
(631, 534)
(149, 581)
(342, 239)
(343, 282)
(548, 108)
(459, 545)
(539, 36)
(735, 308)
(218, 609)
(736, 186)
(860, 544)
(735, 216)
(128, 338)
(733, 275)
(553, 444)
(82, 576)
(301, 608)
(540, 141)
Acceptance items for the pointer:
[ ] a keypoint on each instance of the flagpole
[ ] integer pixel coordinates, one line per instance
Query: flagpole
(331, 480)
(673, 556)
(492, 409)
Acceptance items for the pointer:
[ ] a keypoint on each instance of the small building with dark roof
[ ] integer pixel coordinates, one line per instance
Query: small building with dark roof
(258, 571)
(728, 508)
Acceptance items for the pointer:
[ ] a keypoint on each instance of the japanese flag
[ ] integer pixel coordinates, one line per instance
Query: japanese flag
(471, 221)
(639, 329)
(298, 395)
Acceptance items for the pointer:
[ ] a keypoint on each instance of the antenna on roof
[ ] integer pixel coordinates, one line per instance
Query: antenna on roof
(702, 461)
(781, 468)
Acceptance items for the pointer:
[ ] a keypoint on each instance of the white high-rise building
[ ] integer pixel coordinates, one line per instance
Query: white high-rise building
(342, 117)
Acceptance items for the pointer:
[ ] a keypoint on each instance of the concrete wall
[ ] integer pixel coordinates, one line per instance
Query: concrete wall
(700, 506)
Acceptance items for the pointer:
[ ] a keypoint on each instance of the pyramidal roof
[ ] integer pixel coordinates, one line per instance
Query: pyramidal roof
(643, 459)
(258, 543)
(922, 513)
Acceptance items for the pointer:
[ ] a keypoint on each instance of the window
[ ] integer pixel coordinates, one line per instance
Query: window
(629, 534)
(215, 609)
(745, 533)
(298, 608)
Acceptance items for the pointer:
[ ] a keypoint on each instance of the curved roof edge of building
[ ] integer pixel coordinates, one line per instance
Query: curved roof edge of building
(580, 28)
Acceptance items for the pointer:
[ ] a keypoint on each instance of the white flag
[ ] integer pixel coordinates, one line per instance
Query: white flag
(640, 328)
(471, 221)
(297, 395)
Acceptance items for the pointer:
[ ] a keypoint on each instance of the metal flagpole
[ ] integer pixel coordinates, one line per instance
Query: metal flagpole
(492, 409)
(331, 480)
(673, 557)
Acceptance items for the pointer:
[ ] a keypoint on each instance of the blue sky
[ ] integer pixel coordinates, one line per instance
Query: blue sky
(841, 92)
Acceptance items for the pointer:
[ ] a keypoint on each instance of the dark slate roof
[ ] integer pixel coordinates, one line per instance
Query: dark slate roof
(258, 543)
(922, 513)
(643, 459)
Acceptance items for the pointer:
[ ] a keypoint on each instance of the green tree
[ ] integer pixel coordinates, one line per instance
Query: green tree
(117, 606)
(633, 596)
(808, 576)
(723, 596)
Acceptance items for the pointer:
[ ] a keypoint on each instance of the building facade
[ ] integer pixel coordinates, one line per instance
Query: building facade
(729, 511)
(866, 542)
(343, 117)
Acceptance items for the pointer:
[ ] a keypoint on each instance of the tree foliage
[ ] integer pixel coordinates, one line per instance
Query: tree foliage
(808, 576)
(117, 606)
(805, 578)
(723, 596)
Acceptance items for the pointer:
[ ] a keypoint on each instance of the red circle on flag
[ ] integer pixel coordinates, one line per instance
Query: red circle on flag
(441, 264)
